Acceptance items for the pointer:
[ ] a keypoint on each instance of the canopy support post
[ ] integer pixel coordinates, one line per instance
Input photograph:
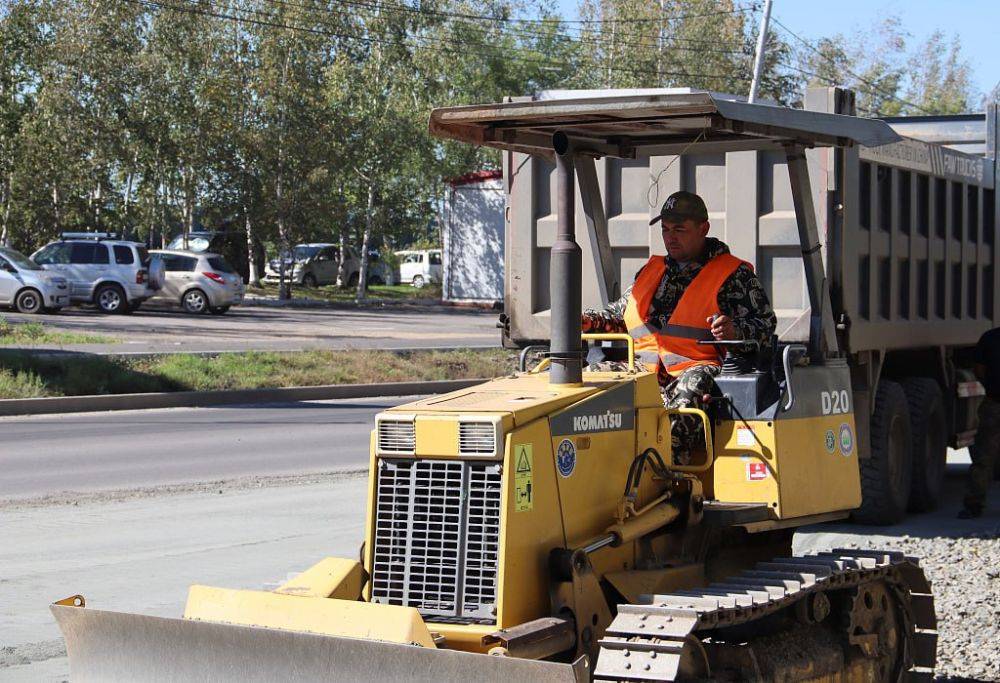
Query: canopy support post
(597, 228)
(822, 332)
(565, 283)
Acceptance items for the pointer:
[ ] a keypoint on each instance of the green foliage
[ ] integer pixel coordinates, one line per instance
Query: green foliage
(295, 121)
(889, 75)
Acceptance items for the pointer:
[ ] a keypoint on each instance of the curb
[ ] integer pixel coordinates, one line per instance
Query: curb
(58, 352)
(199, 399)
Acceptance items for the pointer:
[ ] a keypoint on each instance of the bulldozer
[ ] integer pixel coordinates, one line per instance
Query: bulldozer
(538, 527)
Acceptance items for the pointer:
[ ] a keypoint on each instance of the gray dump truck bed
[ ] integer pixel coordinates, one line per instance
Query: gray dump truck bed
(908, 227)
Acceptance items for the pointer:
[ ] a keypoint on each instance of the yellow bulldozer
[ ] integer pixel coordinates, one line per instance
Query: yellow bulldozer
(538, 527)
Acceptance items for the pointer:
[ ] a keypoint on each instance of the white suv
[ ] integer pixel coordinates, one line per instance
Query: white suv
(115, 275)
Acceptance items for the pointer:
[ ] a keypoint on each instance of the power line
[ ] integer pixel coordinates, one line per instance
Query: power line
(202, 10)
(832, 61)
(535, 33)
(485, 17)
(828, 81)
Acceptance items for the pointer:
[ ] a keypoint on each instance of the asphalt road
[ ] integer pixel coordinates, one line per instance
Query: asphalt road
(49, 455)
(166, 330)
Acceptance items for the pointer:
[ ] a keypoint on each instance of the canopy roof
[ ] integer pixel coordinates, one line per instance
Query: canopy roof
(672, 122)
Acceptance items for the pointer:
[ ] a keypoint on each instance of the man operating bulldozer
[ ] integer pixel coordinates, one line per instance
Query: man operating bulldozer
(697, 292)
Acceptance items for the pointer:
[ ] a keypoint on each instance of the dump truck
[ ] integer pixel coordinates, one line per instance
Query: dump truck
(908, 240)
(539, 528)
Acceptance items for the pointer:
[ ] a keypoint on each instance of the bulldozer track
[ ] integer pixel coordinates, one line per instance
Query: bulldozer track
(649, 641)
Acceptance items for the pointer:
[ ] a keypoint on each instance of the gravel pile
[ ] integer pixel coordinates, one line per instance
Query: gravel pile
(965, 576)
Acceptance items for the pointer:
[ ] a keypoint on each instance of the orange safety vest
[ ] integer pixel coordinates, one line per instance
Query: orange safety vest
(676, 345)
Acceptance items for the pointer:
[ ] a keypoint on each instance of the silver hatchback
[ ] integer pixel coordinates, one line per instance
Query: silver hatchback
(199, 282)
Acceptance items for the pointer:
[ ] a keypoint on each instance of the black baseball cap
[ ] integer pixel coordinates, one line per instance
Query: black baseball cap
(680, 206)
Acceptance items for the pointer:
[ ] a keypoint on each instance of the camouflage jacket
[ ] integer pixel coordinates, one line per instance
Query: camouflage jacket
(741, 297)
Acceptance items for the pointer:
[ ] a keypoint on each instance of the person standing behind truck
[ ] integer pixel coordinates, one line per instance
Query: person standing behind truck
(984, 451)
(698, 291)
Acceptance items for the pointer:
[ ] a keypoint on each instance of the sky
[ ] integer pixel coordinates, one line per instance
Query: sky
(976, 23)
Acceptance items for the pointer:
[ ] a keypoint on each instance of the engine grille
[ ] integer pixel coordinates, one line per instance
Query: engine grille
(477, 438)
(396, 436)
(437, 534)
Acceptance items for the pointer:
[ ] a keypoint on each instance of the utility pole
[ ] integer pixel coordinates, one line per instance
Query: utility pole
(758, 60)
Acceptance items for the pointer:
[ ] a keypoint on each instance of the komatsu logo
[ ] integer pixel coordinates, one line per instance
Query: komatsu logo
(597, 423)
(612, 410)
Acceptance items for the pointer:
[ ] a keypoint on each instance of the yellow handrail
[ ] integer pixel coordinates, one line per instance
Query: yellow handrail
(709, 450)
(542, 364)
(615, 336)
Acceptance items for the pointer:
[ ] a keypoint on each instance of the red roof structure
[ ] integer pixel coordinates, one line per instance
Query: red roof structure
(475, 177)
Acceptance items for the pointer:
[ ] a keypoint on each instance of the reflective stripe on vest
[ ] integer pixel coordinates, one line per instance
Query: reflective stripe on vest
(675, 346)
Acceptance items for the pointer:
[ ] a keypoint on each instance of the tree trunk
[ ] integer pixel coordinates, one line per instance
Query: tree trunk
(362, 291)
(254, 275)
(55, 208)
(188, 205)
(284, 283)
(128, 205)
(342, 266)
(7, 201)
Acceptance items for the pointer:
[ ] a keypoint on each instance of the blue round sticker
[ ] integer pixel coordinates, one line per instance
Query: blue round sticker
(846, 439)
(566, 457)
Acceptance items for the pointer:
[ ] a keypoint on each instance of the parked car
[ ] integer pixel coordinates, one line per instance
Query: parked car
(115, 275)
(230, 244)
(27, 287)
(316, 264)
(419, 267)
(199, 281)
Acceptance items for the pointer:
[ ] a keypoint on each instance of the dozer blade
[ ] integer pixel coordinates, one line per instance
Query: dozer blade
(116, 646)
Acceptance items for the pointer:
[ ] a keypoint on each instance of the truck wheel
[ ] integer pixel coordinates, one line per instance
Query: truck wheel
(928, 428)
(309, 280)
(110, 299)
(418, 281)
(886, 474)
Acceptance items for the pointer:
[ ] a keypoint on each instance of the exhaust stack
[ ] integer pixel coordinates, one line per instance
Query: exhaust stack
(565, 284)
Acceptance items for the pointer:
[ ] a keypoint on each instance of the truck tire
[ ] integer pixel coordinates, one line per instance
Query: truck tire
(157, 272)
(110, 298)
(928, 429)
(886, 473)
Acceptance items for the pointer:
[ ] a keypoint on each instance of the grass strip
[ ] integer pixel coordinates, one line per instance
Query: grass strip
(34, 334)
(23, 375)
(334, 294)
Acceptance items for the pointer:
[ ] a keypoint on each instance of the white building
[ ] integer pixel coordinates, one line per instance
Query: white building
(473, 236)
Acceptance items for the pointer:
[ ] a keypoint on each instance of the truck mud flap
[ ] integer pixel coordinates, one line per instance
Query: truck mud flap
(116, 646)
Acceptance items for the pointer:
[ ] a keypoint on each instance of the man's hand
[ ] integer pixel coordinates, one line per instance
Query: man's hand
(723, 327)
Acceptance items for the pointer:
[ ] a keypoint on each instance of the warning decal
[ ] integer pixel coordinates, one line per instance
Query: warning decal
(745, 436)
(756, 471)
(522, 477)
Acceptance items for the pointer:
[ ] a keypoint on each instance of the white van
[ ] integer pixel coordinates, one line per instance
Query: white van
(420, 267)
